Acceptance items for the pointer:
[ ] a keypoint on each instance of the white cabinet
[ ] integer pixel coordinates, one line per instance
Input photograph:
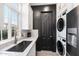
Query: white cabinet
(32, 51)
(30, 18)
(27, 17)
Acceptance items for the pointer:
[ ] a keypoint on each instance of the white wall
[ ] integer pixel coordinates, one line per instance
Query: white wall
(70, 6)
(61, 7)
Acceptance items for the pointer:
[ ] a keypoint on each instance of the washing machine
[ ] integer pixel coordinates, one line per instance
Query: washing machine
(61, 46)
(61, 36)
(61, 26)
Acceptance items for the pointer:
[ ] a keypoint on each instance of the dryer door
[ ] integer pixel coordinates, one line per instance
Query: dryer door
(60, 24)
(60, 48)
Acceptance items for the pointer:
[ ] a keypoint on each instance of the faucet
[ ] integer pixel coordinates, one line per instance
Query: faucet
(15, 37)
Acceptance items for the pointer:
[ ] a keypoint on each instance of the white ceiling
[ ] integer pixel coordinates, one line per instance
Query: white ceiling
(37, 4)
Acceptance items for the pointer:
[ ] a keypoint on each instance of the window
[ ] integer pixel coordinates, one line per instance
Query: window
(5, 22)
(14, 22)
(10, 21)
(5, 32)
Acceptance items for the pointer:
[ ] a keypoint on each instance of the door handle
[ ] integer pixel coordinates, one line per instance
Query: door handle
(50, 36)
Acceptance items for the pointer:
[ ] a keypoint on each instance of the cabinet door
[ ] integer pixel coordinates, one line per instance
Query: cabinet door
(25, 17)
(30, 18)
(32, 51)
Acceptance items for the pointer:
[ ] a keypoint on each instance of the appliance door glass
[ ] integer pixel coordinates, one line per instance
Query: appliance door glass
(60, 48)
(60, 24)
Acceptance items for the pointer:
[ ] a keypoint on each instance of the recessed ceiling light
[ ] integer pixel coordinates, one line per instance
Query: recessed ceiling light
(46, 8)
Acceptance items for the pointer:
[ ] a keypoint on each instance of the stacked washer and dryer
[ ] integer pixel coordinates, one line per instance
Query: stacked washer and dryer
(61, 35)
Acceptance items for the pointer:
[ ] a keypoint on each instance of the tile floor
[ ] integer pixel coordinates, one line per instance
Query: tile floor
(46, 53)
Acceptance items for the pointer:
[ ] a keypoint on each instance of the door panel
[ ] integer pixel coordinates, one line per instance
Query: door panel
(45, 22)
(47, 35)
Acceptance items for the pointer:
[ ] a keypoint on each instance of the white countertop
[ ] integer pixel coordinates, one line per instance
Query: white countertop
(26, 51)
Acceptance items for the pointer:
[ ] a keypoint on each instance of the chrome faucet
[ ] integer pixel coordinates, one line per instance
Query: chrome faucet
(15, 37)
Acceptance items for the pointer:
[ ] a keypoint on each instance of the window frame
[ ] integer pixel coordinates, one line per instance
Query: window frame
(9, 24)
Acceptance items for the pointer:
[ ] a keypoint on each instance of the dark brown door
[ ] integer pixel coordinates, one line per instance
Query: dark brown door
(48, 42)
(45, 22)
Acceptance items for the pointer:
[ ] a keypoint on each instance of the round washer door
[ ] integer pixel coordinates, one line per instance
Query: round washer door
(60, 48)
(60, 24)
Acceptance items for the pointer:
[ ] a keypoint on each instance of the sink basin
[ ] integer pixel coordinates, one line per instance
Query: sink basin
(20, 47)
